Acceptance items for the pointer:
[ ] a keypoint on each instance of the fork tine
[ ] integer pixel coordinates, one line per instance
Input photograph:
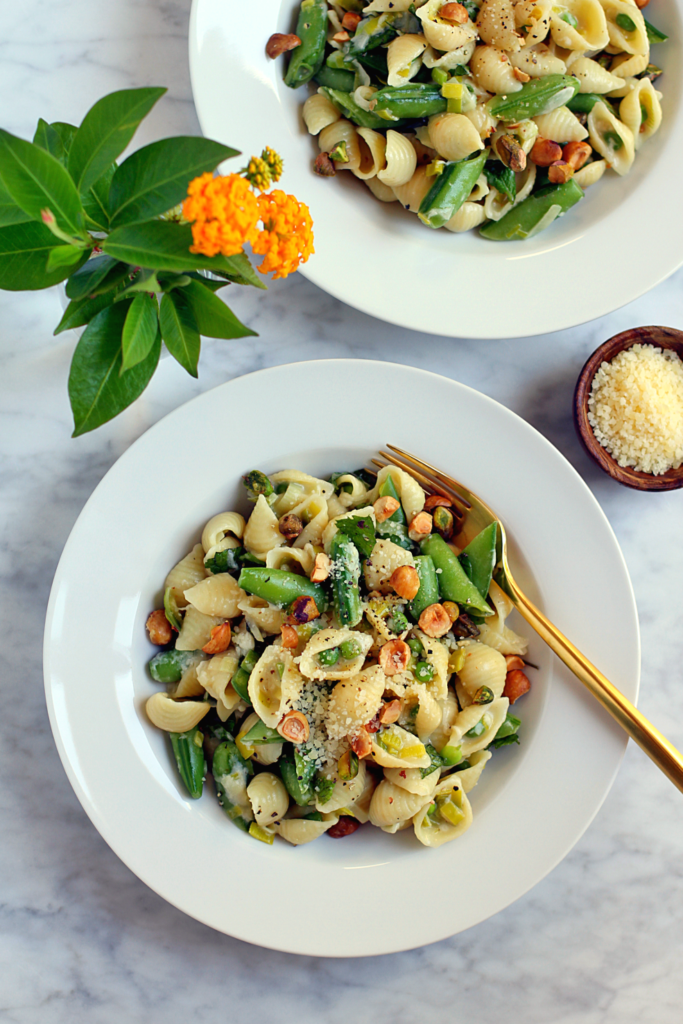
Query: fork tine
(410, 461)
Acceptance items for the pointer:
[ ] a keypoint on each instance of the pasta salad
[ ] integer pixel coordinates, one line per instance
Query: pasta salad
(338, 657)
(494, 115)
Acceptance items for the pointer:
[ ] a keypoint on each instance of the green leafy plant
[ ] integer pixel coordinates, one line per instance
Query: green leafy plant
(114, 232)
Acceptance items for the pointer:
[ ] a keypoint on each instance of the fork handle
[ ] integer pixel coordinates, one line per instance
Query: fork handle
(649, 739)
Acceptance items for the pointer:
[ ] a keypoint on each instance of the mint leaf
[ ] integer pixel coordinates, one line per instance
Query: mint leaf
(360, 530)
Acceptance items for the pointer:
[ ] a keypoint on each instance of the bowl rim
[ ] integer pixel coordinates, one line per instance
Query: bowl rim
(662, 337)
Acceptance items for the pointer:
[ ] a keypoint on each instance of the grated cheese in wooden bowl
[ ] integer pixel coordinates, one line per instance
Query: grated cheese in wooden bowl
(635, 408)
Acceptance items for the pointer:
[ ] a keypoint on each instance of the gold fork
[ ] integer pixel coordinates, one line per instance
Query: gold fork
(473, 515)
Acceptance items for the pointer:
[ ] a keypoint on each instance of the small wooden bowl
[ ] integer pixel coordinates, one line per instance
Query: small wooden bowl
(662, 337)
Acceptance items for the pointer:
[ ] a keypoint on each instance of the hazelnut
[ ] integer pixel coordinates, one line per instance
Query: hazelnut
(220, 639)
(385, 507)
(405, 581)
(321, 567)
(290, 637)
(516, 685)
(576, 154)
(435, 620)
(420, 527)
(560, 172)
(394, 657)
(302, 609)
(280, 43)
(390, 712)
(544, 152)
(159, 628)
(455, 13)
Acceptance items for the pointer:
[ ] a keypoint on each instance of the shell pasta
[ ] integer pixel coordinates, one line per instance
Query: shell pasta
(420, 100)
(364, 677)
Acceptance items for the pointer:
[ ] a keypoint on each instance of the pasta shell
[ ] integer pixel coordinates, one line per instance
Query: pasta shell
(215, 675)
(384, 193)
(268, 798)
(393, 747)
(432, 832)
(401, 161)
(216, 595)
(635, 42)
(262, 532)
(492, 70)
(345, 791)
(449, 710)
(453, 136)
(278, 558)
(411, 780)
(298, 831)
(196, 629)
(189, 685)
(470, 215)
(409, 491)
(533, 17)
(587, 175)
(310, 484)
(612, 139)
(537, 61)
(590, 32)
(429, 713)
(496, 24)
(469, 777)
(264, 753)
(492, 715)
(413, 192)
(436, 654)
(220, 526)
(460, 56)
(266, 617)
(561, 125)
(274, 685)
(175, 716)
(354, 702)
(641, 112)
(593, 77)
(441, 34)
(341, 131)
(483, 667)
(385, 558)
(492, 631)
(318, 112)
(373, 147)
(391, 805)
(186, 573)
(404, 58)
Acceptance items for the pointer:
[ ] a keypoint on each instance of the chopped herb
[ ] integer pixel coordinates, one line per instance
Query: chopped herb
(360, 530)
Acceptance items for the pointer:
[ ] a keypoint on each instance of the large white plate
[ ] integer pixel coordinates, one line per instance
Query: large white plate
(618, 242)
(371, 893)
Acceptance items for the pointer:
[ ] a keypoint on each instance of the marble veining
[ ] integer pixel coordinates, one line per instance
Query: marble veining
(599, 941)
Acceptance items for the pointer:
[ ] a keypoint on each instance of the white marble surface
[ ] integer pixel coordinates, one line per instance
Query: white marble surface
(82, 940)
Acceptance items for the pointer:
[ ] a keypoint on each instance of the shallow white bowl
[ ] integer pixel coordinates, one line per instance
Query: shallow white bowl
(623, 238)
(370, 893)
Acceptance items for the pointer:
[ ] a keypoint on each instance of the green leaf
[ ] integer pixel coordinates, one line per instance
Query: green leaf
(144, 281)
(360, 530)
(155, 178)
(96, 202)
(240, 271)
(66, 132)
(106, 130)
(163, 245)
(97, 389)
(214, 318)
(50, 140)
(85, 280)
(10, 213)
(179, 330)
(24, 252)
(139, 330)
(81, 311)
(37, 181)
(167, 281)
(63, 256)
(208, 282)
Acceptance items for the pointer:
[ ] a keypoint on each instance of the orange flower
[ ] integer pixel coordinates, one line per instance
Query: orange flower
(286, 239)
(224, 214)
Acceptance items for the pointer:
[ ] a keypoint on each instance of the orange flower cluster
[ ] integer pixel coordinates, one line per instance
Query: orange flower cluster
(224, 213)
(287, 236)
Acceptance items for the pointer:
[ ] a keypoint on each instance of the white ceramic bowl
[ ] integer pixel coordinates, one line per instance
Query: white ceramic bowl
(369, 893)
(623, 238)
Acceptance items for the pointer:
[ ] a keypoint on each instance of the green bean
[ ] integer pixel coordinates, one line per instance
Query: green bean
(297, 773)
(450, 190)
(429, 587)
(169, 666)
(311, 28)
(188, 748)
(454, 584)
(539, 96)
(335, 78)
(534, 214)
(371, 33)
(261, 733)
(419, 99)
(584, 102)
(228, 763)
(653, 34)
(279, 587)
(240, 680)
(364, 118)
(481, 555)
(345, 575)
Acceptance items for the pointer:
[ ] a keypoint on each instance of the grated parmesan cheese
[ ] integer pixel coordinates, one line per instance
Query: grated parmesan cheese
(636, 409)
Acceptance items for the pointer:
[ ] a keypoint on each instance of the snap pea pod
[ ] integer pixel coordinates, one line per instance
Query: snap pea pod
(534, 214)
(371, 33)
(230, 773)
(188, 748)
(450, 190)
(429, 587)
(395, 528)
(454, 584)
(280, 587)
(171, 609)
(261, 733)
(481, 555)
(311, 28)
(584, 102)
(297, 773)
(345, 575)
(507, 734)
(653, 34)
(363, 118)
(169, 666)
(240, 680)
(418, 99)
(335, 78)
(539, 96)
